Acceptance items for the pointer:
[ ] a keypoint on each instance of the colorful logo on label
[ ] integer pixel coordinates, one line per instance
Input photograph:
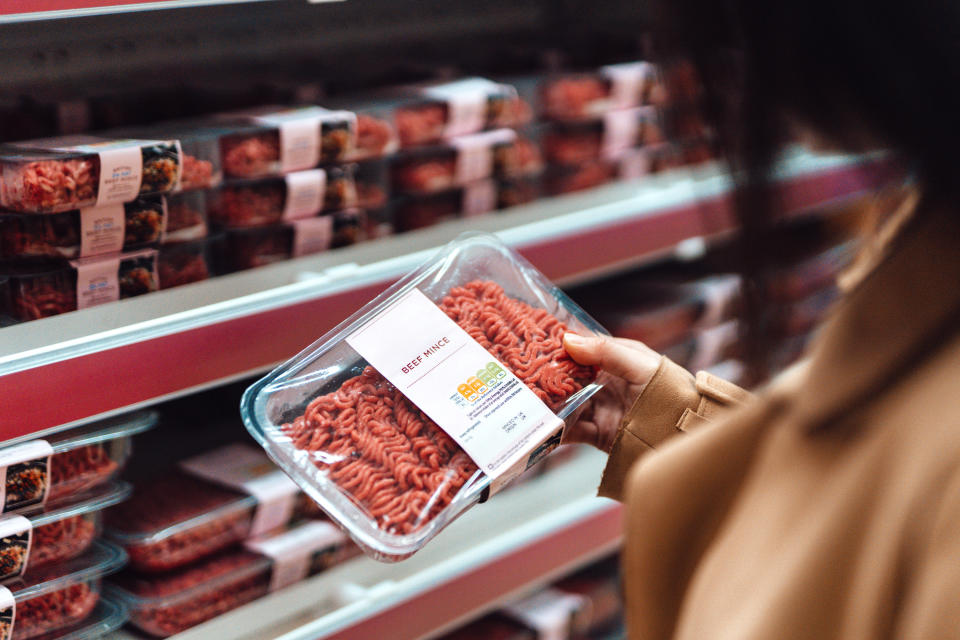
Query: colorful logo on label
(478, 385)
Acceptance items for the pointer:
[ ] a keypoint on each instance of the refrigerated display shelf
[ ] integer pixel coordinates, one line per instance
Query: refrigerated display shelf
(520, 540)
(143, 350)
(29, 10)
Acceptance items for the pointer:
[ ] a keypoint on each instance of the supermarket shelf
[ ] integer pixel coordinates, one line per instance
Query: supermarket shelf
(142, 350)
(522, 539)
(27, 10)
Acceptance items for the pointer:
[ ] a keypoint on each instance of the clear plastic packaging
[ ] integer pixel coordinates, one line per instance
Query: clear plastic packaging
(59, 287)
(169, 603)
(458, 162)
(108, 616)
(578, 96)
(349, 227)
(247, 150)
(177, 519)
(373, 184)
(61, 530)
(186, 217)
(271, 200)
(200, 150)
(253, 247)
(60, 174)
(183, 263)
(416, 211)
(82, 232)
(393, 505)
(62, 595)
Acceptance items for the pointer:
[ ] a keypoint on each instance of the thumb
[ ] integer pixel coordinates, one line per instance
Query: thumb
(635, 363)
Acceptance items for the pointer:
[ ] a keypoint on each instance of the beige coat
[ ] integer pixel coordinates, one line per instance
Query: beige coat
(829, 505)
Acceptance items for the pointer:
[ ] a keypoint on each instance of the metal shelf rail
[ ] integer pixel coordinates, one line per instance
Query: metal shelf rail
(143, 350)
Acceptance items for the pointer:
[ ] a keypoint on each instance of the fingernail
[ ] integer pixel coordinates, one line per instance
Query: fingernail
(574, 340)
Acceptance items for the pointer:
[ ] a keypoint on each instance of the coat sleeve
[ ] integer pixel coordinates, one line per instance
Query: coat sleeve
(674, 401)
(930, 604)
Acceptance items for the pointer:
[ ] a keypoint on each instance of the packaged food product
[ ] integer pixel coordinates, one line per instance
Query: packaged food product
(213, 501)
(183, 263)
(186, 217)
(58, 287)
(608, 137)
(376, 133)
(600, 585)
(460, 161)
(297, 195)
(58, 596)
(416, 211)
(82, 232)
(60, 530)
(380, 224)
(169, 603)
(259, 246)
(199, 146)
(373, 183)
(456, 108)
(512, 192)
(517, 158)
(58, 174)
(248, 150)
(587, 175)
(349, 227)
(551, 613)
(314, 415)
(576, 96)
(68, 462)
(108, 616)
(307, 136)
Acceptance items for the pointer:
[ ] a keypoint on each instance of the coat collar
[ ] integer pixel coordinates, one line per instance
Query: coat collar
(905, 307)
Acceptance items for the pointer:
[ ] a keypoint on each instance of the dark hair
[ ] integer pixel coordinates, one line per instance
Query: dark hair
(858, 74)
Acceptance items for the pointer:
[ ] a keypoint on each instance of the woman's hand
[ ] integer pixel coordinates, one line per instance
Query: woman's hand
(626, 366)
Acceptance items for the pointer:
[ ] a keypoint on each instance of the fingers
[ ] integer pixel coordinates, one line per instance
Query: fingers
(628, 359)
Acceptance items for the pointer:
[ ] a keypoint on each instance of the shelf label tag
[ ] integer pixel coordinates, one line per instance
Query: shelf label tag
(239, 466)
(300, 551)
(8, 613)
(497, 420)
(102, 230)
(312, 235)
(305, 194)
(25, 471)
(16, 536)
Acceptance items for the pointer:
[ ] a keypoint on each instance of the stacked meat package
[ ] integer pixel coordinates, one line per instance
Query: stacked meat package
(218, 531)
(53, 493)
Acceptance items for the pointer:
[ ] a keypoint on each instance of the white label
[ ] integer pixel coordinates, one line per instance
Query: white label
(25, 474)
(293, 551)
(102, 230)
(479, 198)
(467, 103)
(482, 405)
(120, 171)
(8, 613)
(98, 281)
(16, 536)
(620, 132)
(475, 154)
(635, 163)
(551, 613)
(305, 193)
(239, 466)
(627, 82)
(299, 144)
(312, 235)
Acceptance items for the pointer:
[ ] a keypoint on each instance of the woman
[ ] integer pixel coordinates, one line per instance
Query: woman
(827, 506)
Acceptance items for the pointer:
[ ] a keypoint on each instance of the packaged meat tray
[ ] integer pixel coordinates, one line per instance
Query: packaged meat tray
(83, 233)
(58, 174)
(380, 224)
(108, 616)
(59, 531)
(52, 598)
(479, 330)
(186, 217)
(570, 143)
(372, 184)
(518, 158)
(306, 136)
(416, 211)
(248, 248)
(458, 162)
(376, 133)
(199, 146)
(213, 500)
(246, 150)
(59, 287)
(169, 603)
(184, 262)
(301, 194)
(69, 462)
(349, 227)
(559, 180)
(578, 96)
(512, 192)
(443, 111)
